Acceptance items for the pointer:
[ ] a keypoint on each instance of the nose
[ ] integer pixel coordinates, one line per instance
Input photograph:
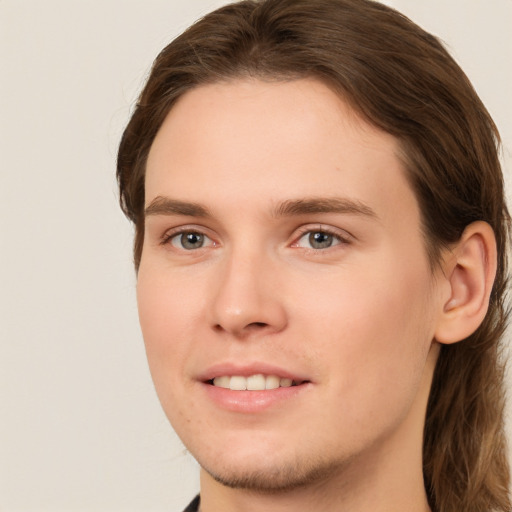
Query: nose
(247, 299)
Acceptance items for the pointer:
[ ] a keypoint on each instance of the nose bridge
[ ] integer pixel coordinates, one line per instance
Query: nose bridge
(245, 298)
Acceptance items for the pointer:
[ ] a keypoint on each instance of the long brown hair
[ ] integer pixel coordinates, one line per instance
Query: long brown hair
(402, 80)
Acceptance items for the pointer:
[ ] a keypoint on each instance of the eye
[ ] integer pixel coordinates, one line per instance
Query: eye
(319, 239)
(189, 240)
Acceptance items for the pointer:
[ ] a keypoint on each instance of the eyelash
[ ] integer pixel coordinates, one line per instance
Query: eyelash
(340, 239)
(168, 236)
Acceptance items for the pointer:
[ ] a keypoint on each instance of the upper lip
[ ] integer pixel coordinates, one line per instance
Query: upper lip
(246, 370)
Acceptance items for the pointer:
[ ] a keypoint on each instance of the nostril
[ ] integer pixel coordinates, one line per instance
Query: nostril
(243, 330)
(257, 325)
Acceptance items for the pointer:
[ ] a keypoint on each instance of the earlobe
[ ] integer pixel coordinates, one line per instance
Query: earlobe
(469, 271)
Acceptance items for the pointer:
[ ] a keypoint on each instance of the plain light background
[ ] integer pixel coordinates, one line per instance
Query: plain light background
(80, 425)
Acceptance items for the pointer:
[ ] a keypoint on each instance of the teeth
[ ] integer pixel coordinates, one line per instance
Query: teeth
(256, 382)
(221, 382)
(285, 383)
(272, 382)
(238, 383)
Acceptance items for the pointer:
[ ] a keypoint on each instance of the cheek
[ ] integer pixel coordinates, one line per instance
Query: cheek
(167, 302)
(374, 331)
(166, 314)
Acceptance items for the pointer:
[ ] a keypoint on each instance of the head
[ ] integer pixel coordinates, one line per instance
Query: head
(400, 81)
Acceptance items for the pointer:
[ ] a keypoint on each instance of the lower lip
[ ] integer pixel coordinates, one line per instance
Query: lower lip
(250, 402)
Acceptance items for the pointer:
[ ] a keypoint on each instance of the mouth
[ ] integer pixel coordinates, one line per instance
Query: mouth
(253, 388)
(257, 382)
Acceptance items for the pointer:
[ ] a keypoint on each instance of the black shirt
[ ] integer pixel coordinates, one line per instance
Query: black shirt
(194, 505)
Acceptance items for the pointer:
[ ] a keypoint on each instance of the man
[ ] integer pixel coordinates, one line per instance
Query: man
(321, 251)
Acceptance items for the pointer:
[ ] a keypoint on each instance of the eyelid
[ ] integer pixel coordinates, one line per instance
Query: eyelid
(343, 236)
(169, 234)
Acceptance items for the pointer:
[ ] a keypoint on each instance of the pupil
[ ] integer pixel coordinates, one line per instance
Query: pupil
(192, 240)
(320, 240)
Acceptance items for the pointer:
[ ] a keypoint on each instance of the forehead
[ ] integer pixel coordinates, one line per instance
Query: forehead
(226, 141)
(288, 111)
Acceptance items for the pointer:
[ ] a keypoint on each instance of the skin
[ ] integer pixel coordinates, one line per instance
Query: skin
(356, 320)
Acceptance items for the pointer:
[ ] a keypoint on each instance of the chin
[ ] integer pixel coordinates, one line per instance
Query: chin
(272, 478)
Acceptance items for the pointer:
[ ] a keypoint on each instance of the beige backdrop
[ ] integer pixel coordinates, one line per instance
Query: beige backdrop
(80, 426)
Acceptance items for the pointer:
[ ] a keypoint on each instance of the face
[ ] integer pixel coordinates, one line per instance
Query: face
(283, 254)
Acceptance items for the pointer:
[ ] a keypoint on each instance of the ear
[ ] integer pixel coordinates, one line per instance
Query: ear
(469, 272)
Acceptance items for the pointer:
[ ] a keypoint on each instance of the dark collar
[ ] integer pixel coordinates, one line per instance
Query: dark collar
(194, 505)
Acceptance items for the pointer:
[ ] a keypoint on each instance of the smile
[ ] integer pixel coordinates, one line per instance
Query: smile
(252, 388)
(257, 382)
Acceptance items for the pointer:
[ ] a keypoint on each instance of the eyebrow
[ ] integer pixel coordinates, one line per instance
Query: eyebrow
(293, 207)
(167, 206)
(323, 205)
